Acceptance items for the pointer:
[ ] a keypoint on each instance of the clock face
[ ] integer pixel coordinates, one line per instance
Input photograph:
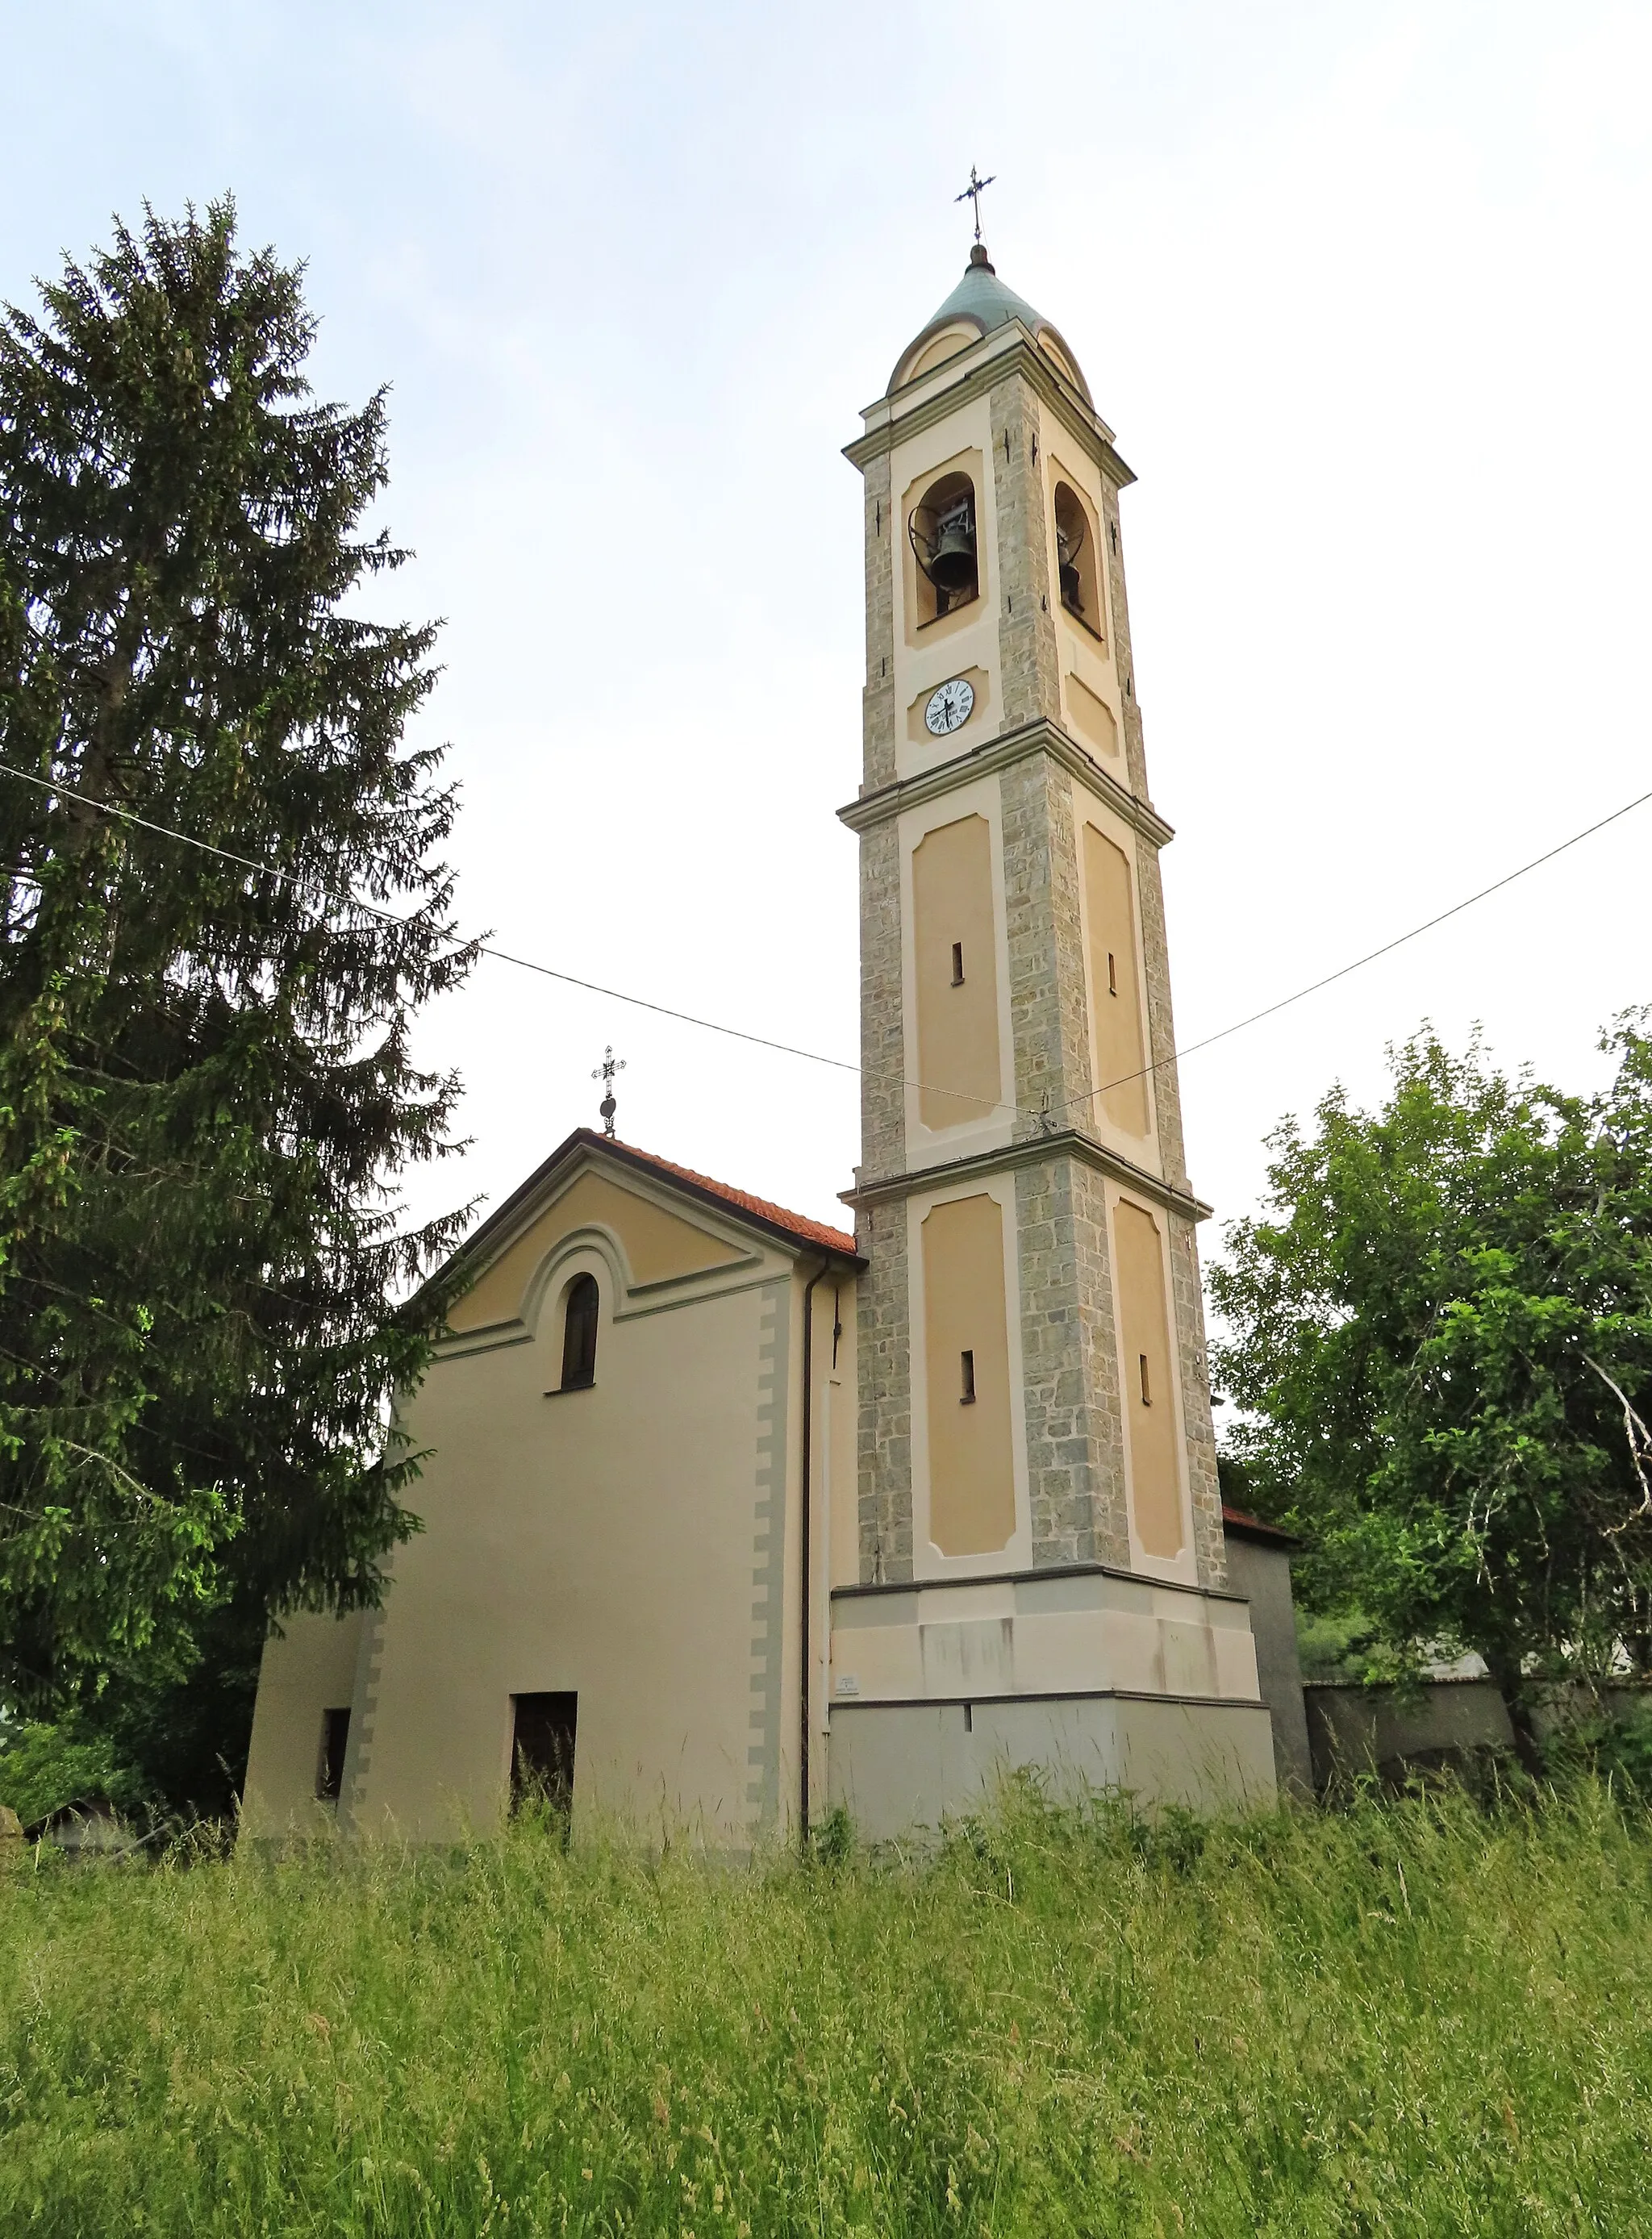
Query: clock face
(950, 707)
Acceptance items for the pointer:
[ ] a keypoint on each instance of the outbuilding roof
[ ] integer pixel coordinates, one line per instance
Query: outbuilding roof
(1235, 1520)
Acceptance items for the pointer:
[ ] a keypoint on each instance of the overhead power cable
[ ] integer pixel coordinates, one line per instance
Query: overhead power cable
(1370, 956)
(792, 1049)
(389, 917)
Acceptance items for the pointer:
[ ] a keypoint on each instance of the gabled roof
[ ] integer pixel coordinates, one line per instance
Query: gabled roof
(773, 1220)
(797, 1225)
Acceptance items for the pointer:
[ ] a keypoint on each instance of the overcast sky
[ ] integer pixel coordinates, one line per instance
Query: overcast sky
(1362, 289)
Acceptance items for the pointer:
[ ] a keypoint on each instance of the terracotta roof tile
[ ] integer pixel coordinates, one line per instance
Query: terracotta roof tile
(796, 1224)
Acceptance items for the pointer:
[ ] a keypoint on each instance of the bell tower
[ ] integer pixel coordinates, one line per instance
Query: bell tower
(1037, 1466)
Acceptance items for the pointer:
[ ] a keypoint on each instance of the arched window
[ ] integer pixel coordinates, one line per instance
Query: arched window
(579, 1334)
(1076, 560)
(943, 531)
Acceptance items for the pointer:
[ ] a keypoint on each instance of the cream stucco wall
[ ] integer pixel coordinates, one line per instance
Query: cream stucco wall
(309, 1668)
(834, 1532)
(584, 1541)
(658, 1243)
(636, 1543)
(962, 334)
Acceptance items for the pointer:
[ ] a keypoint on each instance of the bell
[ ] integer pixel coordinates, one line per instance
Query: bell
(952, 557)
(1068, 538)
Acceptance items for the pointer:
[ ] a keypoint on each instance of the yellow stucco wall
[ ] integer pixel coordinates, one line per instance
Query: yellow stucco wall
(602, 1541)
(1115, 979)
(959, 1062)
(638, 1543)
(835, 1486)
(659, 1244)
(309, 1668)
(1092, 721)
(972, 1493)
(946, 344)
(1151, 1415)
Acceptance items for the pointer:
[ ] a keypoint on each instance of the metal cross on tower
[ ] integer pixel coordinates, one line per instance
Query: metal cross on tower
(973, 193)
(605, 1073)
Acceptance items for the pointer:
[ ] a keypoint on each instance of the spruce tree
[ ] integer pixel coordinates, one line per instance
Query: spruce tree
(208, 1296)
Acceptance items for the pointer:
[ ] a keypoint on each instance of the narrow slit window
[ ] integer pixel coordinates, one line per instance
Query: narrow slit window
(967, 1397)
(957, 964)
(1147, 1388)
(1112, 973)
(579, 1334)
(330, 1764)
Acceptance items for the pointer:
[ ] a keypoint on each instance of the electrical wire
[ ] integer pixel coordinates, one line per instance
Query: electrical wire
(1370, 956)
(792, 1049)
(389, 917)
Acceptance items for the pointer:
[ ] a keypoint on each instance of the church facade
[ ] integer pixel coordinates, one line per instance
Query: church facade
(730, 1517)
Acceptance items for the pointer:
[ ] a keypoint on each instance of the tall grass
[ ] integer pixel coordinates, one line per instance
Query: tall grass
(1412, 2017)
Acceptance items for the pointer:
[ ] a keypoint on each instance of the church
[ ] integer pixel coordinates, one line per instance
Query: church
(731, 1518)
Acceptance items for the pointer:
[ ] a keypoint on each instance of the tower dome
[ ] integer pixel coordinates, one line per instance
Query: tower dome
(979, 303)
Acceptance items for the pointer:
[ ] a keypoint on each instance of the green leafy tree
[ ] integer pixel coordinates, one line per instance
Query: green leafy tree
(44, 1767)
(1441, 1336)
(207, 1095)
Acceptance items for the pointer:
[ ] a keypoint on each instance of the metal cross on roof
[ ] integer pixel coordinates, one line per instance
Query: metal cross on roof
(605, 1073)
(973, 193)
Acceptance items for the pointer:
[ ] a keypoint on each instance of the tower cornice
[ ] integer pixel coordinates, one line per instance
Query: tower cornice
(1011, 350)
(1031, 1150)
(1038, 737)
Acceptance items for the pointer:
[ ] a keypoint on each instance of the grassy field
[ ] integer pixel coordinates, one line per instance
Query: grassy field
(1407, 2018)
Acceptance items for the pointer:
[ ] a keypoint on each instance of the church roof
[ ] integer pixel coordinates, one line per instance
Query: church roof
(772, 1216)
(775, 1219)
(981, 300)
